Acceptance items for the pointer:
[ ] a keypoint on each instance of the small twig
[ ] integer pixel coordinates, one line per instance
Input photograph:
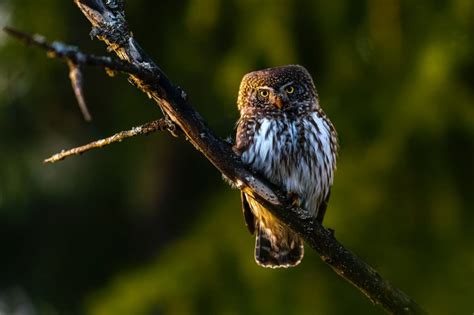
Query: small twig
(75, 75)
(156, 125)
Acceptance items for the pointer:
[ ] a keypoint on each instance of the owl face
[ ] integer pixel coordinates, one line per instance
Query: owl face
(277, 89)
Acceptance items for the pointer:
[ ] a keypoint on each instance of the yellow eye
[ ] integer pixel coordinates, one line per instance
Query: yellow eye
(290, 89)
(263, 93)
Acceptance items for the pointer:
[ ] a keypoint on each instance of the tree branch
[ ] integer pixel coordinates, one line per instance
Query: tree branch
(156, 125)
(72, 53)
(75, 59)
(109, 25)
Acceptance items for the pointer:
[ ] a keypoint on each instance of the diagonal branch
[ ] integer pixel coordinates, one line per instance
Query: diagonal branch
(156, 125)
(109, 25)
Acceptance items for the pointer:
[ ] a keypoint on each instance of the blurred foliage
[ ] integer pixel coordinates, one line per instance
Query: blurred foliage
(149, 227)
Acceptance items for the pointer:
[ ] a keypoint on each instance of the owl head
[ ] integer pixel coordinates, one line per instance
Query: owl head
(278, 89)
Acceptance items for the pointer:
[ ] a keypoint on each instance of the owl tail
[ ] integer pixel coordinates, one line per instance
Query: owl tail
(276, 246)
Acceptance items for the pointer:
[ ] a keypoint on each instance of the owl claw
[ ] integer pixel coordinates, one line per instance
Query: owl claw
(295, 199)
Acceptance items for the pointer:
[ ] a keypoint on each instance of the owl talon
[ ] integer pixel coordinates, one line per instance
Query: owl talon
(295, 199)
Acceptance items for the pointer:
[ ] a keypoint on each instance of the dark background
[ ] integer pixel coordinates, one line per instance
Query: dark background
(149, 227)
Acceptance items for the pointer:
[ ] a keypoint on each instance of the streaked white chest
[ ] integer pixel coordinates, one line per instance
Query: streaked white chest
(295, 154)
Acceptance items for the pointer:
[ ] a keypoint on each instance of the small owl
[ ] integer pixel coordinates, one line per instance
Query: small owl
(284, 135)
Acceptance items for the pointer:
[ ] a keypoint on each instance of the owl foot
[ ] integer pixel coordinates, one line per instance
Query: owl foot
(295, 199)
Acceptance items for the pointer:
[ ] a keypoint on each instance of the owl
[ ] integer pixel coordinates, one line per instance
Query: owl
(284, 135)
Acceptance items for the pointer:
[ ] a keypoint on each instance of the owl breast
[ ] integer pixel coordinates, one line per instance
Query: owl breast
(295, 153)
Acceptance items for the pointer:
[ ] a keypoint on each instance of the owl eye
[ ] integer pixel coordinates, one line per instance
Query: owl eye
(290, 89)
(263, 95)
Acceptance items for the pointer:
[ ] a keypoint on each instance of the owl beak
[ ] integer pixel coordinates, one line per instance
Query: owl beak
(278, 102)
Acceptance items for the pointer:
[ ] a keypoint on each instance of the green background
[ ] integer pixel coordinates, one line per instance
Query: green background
(149, 227)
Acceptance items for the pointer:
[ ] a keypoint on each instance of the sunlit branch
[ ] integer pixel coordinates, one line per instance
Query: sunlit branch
(156, 125)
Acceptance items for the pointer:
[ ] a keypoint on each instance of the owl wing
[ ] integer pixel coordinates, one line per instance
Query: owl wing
(242, 139)
(248, 214)
(323, 207)
(242, 143)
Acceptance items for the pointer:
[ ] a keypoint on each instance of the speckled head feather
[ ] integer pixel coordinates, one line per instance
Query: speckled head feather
(275, 78)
